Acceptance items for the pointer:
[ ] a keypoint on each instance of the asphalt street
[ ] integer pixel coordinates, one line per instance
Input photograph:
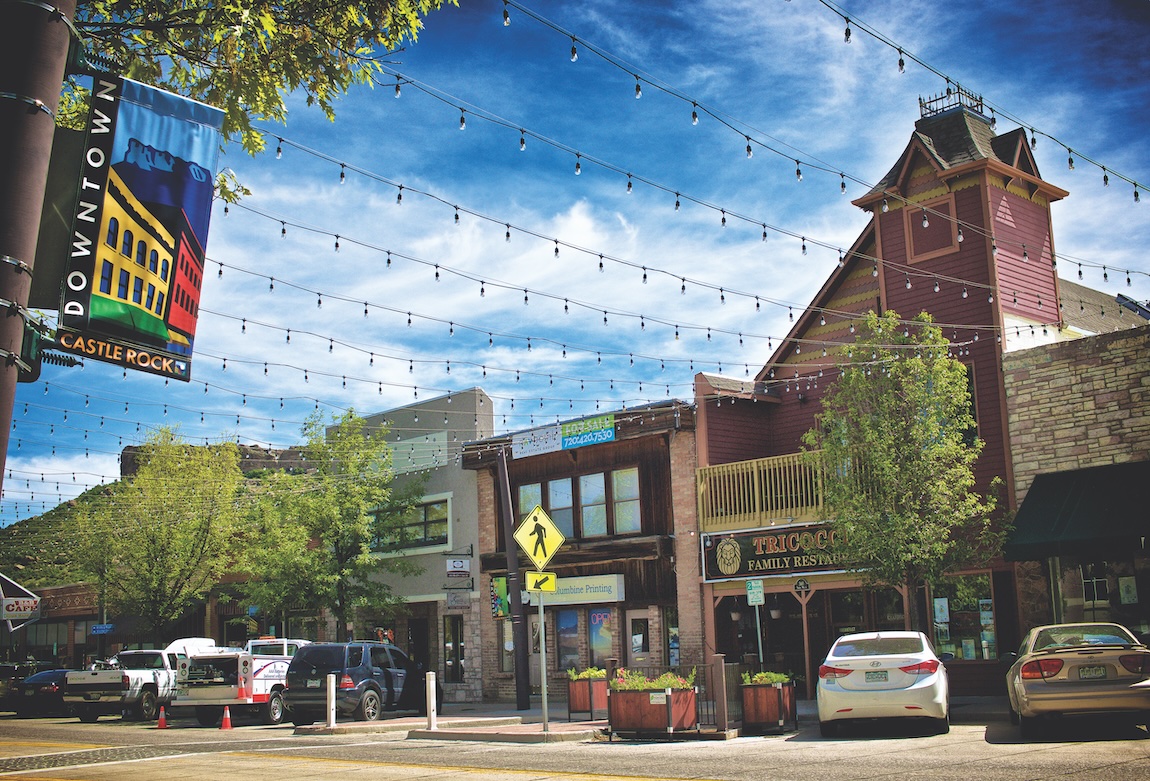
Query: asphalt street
(113, 749)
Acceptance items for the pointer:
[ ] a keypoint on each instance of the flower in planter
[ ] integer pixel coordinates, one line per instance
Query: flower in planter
(590, 672)
(766, 676)
(632, 680)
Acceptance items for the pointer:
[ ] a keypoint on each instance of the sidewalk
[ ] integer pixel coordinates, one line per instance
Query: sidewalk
(504, 722)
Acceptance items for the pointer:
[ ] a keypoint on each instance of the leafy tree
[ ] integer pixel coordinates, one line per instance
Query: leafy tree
(245, 56)
(894, 444)
(159, 540)
(317, 528)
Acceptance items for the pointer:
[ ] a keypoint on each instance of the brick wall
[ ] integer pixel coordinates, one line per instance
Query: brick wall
(1078, 404)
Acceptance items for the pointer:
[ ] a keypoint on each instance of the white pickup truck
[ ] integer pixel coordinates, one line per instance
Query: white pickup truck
(135, 683)
(246, 680)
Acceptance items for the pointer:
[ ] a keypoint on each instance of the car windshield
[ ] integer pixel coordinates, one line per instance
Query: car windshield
(322, 657)
(878, 646)
(1082, 634)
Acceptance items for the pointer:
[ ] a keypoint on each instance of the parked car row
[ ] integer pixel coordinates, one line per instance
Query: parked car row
(1060, 672)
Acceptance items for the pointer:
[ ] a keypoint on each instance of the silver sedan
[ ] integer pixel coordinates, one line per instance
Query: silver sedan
(1078, 669)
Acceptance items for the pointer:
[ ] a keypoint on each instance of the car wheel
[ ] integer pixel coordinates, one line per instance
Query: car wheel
(87, 715)
(1028, 727)
(829, 729)
(208, 715)
(273, 710)
(148, 708)
(369, 707)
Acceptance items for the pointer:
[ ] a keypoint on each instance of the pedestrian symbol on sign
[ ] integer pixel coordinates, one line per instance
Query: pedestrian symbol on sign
(539, 537)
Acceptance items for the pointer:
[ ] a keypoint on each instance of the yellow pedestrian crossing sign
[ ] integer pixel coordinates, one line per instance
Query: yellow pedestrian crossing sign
(539, 537)
(541, 581)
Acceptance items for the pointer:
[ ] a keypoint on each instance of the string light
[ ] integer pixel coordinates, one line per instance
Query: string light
(574, 50)
(638, 88)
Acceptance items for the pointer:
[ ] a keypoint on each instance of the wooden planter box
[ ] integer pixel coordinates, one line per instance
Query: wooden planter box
(586, 695)
(769, 706)
(663, 711)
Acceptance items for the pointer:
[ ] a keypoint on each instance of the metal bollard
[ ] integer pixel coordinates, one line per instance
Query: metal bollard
(331, 701)
(432, 713)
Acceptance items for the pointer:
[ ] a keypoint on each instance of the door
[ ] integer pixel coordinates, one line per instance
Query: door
(638, 638)
(535, 636)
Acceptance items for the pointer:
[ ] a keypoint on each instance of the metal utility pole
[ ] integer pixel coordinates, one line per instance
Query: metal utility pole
(514, 593)
(34, 39)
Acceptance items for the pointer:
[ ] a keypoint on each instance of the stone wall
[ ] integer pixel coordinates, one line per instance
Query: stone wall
(1078, 404)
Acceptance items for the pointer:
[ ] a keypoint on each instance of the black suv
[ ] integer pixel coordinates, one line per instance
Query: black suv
(369, 678)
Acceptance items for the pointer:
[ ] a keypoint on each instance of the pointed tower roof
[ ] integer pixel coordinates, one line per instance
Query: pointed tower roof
(956, 139)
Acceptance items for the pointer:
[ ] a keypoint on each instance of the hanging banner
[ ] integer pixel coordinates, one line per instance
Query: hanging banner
(131, 292)
(20, 606)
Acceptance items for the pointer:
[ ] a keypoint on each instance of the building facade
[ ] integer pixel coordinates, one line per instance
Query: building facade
(620, 489)
(960, 228)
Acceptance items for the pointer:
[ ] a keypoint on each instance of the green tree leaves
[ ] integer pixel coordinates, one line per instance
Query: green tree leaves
(893, 440)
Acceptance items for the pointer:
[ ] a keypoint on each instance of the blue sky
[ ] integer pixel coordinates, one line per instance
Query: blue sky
(775, 74)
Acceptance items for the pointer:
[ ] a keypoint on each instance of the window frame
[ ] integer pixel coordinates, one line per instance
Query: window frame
(610, 502)
(423, 545)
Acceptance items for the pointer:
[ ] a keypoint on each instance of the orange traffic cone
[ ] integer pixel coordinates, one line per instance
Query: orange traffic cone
(227, 722)
(163, 722)
(243, 692)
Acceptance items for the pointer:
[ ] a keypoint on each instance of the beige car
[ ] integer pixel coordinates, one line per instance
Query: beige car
(1078, 669)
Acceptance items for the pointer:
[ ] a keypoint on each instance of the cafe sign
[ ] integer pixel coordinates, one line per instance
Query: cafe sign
(780, 550)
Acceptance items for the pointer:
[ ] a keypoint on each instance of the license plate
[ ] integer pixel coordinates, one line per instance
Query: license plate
(313, 683)
(29, 693)
(1091, 673)
(876, 676)
(92, 697)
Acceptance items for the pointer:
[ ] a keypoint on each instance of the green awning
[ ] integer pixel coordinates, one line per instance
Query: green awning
(1101, 513)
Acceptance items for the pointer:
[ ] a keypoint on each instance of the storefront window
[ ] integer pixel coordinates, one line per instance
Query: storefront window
(567, 629)
(964, 618)
(599, 624)
(1105, 591)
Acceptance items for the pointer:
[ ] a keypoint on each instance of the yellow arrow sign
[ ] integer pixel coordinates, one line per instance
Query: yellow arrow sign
(539, 537)
(541, 581)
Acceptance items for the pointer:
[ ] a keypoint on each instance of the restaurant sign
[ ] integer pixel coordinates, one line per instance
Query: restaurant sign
(764, 552)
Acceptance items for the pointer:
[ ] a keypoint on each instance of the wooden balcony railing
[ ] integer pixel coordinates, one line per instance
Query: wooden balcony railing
(750, 494)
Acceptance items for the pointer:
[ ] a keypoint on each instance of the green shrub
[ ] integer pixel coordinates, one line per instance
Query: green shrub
(766, 677)
(632, 680)
(590, 672)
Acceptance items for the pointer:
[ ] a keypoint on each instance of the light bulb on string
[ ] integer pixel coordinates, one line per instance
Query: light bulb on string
(750, 152)
(925, 221)
(628, 184)
(506, 15)
(556, 247)
(638, 88)
(936, 288)
(399, 195)
(847, 32)
(1033, 139)
(574, 50)
(724, 213)
(676, 202)
(960, 237)
(843, 183)
(578, 165)
(462, 119)
(804, 245)
(397, 90)
(798, 171)
(694, 113)
(279, 148)
(342, 173)
(1105, 180)
(764, 231)
(1070, 158)
(885, 206)
(522, 141)
(901, 62)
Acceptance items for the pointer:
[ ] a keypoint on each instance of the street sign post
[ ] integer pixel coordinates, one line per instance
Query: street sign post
(540, 539)
(756, 599)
